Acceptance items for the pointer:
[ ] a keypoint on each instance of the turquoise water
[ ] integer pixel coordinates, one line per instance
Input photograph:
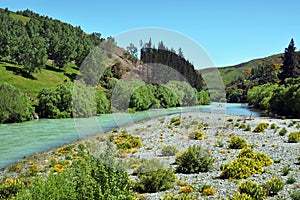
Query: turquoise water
(24, 139)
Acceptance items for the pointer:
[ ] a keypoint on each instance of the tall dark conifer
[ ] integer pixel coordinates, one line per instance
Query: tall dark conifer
(290, 68)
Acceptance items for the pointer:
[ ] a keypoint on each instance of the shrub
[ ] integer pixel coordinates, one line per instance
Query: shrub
(285, 170)
(186, 189)
(291, 180)
(283, 131)
(15, 106)
(89, 178)
(175, 121)
(156, 181)
(273, 126)
(196, 135)
(242, 126)
(261, 127)
(230, 120)
(242, 196)
(273, 186)
(209, 191)
(169, 150)
(247, 163)
(253, 189)
(10, 188)
(145, 165)
(248, 128)
(237, 143)
(295, 195)
(294, 137)
(126, 141)
(182, 196)
(193, 160)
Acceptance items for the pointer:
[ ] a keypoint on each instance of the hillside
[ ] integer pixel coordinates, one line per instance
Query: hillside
(50, 72)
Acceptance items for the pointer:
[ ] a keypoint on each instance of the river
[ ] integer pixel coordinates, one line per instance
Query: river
(24, 139)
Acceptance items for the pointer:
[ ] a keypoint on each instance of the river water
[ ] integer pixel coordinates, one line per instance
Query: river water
(24, 139)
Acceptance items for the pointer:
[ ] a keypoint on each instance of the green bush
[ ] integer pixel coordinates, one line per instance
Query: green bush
(144, 165)
(182, 196)
(283, 131)
(261, 127)
(294, 137)
(295, 195)
(237, 143)
(126, 141)
(273, 126)
(273, 186)
(156, 181)
(169, 150)
(253, 189)
(242, 196)
(194, 159)
(196, 135)
(175, 121)
(10, 188)
(247, 163)
(248, 128)
(15, 106)
(88, 178)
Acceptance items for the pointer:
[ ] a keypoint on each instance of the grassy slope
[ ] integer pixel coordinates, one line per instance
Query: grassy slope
(44, 79)
(231, 73)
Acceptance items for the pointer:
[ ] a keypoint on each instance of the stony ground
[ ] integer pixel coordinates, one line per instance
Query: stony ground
(218, 128)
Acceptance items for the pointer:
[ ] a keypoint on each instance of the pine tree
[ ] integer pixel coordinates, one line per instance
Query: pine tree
(290, 68)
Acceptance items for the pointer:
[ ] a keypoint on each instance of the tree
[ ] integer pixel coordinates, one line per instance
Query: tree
(290, 68)
(56, 103)
(14, 105)
(132, 50)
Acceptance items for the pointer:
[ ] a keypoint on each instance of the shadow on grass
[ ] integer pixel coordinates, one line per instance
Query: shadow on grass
(55, 69)
(20, 72)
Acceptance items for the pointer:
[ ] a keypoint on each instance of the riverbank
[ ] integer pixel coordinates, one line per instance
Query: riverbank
(158, 132)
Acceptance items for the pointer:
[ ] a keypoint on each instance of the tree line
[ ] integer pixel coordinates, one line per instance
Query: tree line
(32, 43)
(176, 61)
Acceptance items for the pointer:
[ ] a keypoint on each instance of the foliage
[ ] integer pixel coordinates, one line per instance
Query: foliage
(237, 143)
(30, 45)
(295, 195)
(253, 189)
(126, 141)
(167, 98)
(143, 98)
(209, 191)
(241, 196)
(10, 188)
(182, 196)
(260, 127)
(169, 150)
(185, 93)
(88, 178)
(294, 137)
(174, 62)
(196, 135)
(175, 121)
(186, 189)
(290, 68)
(84, 104)
(247, 163)
(156, 181)
(102, 103)
(144, 165)
(15, 106)
(203, 98)
(283, 131)
(273, 186)
(194, 159)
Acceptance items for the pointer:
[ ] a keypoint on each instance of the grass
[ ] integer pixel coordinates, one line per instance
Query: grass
(19, 17)
(43, 79)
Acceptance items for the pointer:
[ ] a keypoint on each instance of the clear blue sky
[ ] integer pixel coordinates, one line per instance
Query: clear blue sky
(230, 31)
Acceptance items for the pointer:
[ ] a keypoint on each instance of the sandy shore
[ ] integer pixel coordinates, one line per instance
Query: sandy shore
(156, 133)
